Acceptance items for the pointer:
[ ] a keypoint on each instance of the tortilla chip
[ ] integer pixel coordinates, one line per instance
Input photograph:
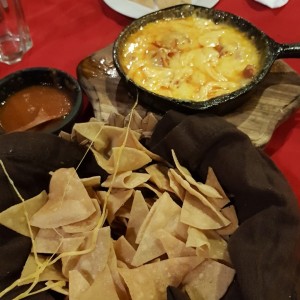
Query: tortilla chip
(124, 212)
(105, 138)
(151, 188)
(124, 251)
(51, 272)
(195, 214)
(208, 243)
(101, 135)
(77, 285)
(103, 287)
(58, 286)
(209, 281)
(150, 281)
(133, 120)
(205, 205)
(173, 246)
(128, 159)
(148, 124)
(176, 188)
(56, 241)
(115, 200)
(205, 189)
(95, 261)
(227, 210)
(217, 246)
(165, 216)
(118, 280)
(69, 262)
(126, 180)
(91, 181)
(115, 119)
(159, 176)
(197, 238)
(14, 217)
(68, 201)
(138, 213)
(133, 142)
(87, 224)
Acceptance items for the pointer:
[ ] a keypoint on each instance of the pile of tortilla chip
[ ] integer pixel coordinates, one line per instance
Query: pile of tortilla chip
(145, 227)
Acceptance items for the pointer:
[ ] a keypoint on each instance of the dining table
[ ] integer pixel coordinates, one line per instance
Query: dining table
(65, 32)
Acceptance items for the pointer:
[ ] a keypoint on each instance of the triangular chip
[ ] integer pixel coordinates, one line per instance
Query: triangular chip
(205, 189)
(204, 205)
(195, 214)
(209, 281)
(227, 210)
(128, 159)
(150, 281)
(56, 241)
(77, 285)
(14, 217)
(176, 188)
(68, 201)
(102, 287)
(173, 246)
(68, 262)
(51, 272)
(91, 181)
(87, 224)
(166, 216)
(159, 176)
(126, 180)
(138, 213)
(58, 286)
(151, 188)
(105, 138)
(95, 261)
(197, 238)
(115, 199)
(208, 243)
(124, 251)
(118, 280)
(122, 159)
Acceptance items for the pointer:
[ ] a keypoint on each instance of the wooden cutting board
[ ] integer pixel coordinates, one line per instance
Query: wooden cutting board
(275, 99)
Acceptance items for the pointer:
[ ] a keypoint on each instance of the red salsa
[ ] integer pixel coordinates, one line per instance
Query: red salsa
(33, 106)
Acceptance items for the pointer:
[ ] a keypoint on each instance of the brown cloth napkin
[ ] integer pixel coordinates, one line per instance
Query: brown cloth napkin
(28, 158)
(265, 249)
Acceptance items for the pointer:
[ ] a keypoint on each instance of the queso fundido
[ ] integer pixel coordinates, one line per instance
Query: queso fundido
(190, 58)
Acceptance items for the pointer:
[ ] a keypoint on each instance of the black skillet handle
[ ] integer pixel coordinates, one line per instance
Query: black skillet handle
(289, 50)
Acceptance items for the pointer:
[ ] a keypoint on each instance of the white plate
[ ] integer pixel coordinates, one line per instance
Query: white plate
(135, 10)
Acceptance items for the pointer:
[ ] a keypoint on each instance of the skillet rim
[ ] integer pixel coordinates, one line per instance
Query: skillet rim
(223, 104)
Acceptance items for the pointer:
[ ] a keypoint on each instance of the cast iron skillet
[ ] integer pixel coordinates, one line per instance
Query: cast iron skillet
(268, 48)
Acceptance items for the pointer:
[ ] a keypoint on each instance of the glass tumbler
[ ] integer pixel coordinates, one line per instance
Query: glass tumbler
(15, 37)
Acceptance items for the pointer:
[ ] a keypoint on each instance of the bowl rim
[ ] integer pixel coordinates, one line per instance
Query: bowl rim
(237, 21)
(77, 101)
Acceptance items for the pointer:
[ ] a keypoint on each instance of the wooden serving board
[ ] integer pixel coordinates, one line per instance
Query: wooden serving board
(275, 99)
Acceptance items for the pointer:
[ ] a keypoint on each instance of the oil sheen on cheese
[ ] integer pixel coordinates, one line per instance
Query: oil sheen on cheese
(190, 58)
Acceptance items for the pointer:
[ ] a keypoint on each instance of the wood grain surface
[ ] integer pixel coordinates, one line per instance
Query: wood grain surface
(273, 101)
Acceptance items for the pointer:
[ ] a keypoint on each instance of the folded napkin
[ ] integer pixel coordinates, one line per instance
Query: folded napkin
(265, 250)
(273, 3)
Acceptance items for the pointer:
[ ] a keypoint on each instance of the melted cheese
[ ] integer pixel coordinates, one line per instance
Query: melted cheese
(190, 58)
